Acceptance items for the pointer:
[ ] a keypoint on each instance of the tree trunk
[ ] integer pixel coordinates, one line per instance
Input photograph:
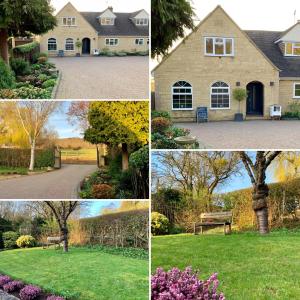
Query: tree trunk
(32, 155)
(260, 207)
(4, 45)
(65, 236)
(125, 157)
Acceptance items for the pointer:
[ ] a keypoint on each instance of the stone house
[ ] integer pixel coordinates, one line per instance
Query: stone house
(96, 31)
(218, 57)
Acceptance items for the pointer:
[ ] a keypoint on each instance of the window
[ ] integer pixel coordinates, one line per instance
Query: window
(139, 41)
(182, 96)
(52, 45)
(69, 46)
(219, 95)
(107, 21)
(216, 46)
(111, 42)
(296, 90)
(141, 22)
(292, 49)
(69, 21)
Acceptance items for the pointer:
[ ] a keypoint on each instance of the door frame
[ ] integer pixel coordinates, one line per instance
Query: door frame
(261, 86)
(84, 45)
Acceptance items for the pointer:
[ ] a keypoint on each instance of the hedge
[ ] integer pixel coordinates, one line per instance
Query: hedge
(27, 51)
(123, 229)
(21, 157)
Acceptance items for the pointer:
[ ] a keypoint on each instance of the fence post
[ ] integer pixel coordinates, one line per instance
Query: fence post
(57, 158)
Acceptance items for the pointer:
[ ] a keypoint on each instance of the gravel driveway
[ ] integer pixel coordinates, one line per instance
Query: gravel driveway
(60, 184)
(99, 77)
(258, 134)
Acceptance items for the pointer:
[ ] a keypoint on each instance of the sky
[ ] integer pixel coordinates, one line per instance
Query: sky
(95, 207)
(100, 5)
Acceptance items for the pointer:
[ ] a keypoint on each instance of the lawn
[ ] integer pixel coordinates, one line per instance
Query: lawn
(250, 266)
(82, 273)
(11, 170)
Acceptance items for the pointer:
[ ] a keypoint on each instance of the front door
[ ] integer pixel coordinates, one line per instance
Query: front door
(255, 98)
(86, 46)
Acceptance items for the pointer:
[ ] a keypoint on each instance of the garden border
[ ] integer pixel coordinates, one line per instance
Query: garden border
(55, 88)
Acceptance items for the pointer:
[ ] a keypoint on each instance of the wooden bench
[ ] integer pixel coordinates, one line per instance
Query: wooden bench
(53, 240)
(215, 219)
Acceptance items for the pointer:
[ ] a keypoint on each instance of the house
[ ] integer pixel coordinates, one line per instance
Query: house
(218, 57)
(96, 31)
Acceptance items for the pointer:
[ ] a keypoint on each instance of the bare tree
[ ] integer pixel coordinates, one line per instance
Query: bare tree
(257, 173)
(33, 116)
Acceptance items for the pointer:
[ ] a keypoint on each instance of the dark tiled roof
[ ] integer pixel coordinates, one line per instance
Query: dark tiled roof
(265, 41)
(123, 25)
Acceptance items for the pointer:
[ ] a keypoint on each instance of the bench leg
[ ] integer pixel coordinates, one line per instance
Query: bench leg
(195, 229)
(201, 229)
(229, 228)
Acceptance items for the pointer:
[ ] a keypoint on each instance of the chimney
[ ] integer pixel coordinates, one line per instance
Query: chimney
(111, 8)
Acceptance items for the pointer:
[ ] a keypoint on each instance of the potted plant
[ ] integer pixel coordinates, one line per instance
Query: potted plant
(78, 45)
(239, 95)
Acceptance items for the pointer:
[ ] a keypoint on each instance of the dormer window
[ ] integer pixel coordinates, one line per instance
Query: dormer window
(141, 22)
(292, 49)
(107, 21)
(69, 21)
(219, 46)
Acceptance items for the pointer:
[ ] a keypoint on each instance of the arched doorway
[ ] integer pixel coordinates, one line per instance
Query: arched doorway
(86, 46)
(255, 98)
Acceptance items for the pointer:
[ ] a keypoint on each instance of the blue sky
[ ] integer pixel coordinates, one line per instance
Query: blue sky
(95, 207)
(58, 121)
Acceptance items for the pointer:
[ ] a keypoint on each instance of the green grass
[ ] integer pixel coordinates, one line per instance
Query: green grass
(250, 266)
(13, 170)
(82, 273)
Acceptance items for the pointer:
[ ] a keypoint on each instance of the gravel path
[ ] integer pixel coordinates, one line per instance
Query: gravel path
(258, 134)
(60, 184)
(103, 77)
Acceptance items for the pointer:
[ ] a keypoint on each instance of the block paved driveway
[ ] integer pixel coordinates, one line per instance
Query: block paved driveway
(59, 184)
(89, 77)
(256, 134)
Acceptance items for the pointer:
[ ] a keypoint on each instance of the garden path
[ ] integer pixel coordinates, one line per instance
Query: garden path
(59, 184)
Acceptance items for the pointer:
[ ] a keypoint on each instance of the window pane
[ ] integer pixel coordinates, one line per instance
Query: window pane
(288, 48)
(296, 51)
(182, 96)
(228, 46)
(219, 48)
(209, 46)
(297, 90)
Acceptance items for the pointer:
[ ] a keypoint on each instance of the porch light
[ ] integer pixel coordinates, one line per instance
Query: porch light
(237, 83)
(272, 83)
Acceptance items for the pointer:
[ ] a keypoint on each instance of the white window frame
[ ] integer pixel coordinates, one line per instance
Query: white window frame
(293, 47)
(294, 90)
(73, 43)
(176, 87)
(138, 40)
(107, 21)
(211, 93)
(53, 39)
(142, 22)
(109, 44)
(224, 46)
(67, 18)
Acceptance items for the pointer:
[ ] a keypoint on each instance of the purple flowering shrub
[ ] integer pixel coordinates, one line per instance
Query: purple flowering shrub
(30, 292)
(183, 285)
(4, 279)
(53, 297)
(13, 286)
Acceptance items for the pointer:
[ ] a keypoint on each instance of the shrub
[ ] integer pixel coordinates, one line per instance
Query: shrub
(110, 53)
(37, 55)
(26, 241)
(30, 292)
(49, 83)
(159, 224)
(26, 48)
(32, 92)
(7, 94)
(13, 286)
(53, 297)
(183, 285)
(174, 132)
(7, 78)
(9, 239)
(160, 125)
(43, 77)
(143, 53)
(44, 158)
(4, 279)
(160, 141)
(102, 191)
(164, 114)
(20, 66)
(42, 59)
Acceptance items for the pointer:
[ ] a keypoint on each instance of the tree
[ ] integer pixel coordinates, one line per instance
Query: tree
(239, 95)
(257, 173)
(78, 114)
(169, 19)
(33, 116)
(119, 122)
(22, 18)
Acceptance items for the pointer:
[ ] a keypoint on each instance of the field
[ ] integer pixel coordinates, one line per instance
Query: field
(82, 273)
(249, 266)
(82, 155)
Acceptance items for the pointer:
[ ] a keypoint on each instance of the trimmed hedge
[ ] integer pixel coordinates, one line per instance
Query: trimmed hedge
(27, 51)
(21, 157)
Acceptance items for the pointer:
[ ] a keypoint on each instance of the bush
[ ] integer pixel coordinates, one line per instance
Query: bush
(13, 286)
(4, 280)
(37, 55)
(160, 141)
(49, 83)
(20, 66)
(43, 77)
(143, 53)
(7, 94)
(42, 59)
(26, 241)
(163, 114)
(160, 125)
(159, 224)
(174, 132)
(121, 54)
(183, 285)
(9, 239)
(30, 292)
(26, 48)
(7, 79)
(32, 92)
(102, 191)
